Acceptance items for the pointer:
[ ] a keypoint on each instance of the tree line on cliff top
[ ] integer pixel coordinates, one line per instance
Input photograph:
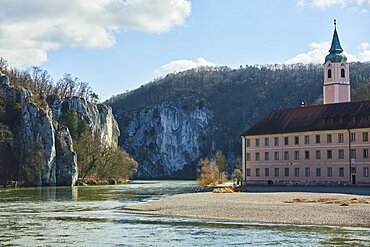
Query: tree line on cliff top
(96, 161)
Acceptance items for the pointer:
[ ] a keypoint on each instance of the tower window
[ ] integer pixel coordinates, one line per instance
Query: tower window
(342, 73)
(329, 73)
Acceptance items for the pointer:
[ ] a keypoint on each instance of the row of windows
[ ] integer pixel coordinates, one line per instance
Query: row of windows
(306, 139)
(329, 154)
(307, 172)
(342, 73)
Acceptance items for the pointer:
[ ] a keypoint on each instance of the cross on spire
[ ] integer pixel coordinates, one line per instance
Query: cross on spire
(335, 23)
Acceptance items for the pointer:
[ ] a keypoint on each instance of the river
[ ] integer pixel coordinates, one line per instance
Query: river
(95, 216)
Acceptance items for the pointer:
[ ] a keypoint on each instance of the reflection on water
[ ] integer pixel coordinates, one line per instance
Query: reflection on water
(94, 216)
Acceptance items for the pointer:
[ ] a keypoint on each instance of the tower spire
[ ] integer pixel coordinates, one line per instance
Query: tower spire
(335, 48)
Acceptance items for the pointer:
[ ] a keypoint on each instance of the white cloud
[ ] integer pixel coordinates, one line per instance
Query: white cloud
(315, 55)
(29, 29)
(355, 5)
(364, 54)
(320, 49)
(182, 65)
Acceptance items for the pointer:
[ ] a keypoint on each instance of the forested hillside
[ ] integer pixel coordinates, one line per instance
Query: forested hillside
(230, 100)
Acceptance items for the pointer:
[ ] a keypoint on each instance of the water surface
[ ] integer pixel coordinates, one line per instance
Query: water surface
(95, 216)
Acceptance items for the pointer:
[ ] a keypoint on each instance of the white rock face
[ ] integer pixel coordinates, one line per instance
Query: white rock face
(66, 171)
(39, 125)
(166, 139)
(98, 117)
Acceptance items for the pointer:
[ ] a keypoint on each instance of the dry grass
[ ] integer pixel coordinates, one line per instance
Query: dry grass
(215, 183)
(224, 190)
(353, 200)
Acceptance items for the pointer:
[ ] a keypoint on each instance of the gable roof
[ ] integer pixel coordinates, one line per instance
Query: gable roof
(348, 115)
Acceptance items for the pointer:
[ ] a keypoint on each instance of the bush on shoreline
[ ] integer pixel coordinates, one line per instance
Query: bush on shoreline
(100, 162)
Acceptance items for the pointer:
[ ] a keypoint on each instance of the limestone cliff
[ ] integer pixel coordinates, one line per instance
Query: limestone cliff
(37, 128)
(167, 139)
(98, 117)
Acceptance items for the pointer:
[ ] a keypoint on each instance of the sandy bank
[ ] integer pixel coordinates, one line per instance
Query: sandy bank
(261, 207)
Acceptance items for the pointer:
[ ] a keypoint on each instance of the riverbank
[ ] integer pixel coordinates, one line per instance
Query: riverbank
(268, 207)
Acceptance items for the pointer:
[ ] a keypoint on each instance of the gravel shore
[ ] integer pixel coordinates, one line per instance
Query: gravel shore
(261, 207)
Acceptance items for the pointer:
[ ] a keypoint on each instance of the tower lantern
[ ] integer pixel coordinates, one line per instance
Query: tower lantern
(336, 73)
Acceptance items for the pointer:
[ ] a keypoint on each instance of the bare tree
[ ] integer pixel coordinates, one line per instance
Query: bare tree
(6, 136)
(3, 65)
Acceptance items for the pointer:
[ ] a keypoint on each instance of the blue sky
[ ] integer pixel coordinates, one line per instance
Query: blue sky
(119, 45)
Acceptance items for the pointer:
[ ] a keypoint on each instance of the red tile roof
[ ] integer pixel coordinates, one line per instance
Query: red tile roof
(314, 118)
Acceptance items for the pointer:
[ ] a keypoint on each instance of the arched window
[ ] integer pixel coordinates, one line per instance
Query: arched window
(329, 73)
(342, 73)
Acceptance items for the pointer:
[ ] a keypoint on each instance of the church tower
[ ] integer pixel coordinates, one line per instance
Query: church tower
(336, 73)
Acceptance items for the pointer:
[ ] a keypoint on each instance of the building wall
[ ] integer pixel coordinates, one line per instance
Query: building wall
(323, 156)
(336, 72)
(336, 88)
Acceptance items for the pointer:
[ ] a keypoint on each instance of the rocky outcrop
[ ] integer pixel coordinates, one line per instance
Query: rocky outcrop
(167, 139)
(38, 129)
(99, 117)
(66, 171)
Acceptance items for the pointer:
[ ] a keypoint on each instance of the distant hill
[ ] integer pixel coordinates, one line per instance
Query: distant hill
(172, 122)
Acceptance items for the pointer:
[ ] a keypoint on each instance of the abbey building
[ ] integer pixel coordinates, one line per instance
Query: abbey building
(324, 144)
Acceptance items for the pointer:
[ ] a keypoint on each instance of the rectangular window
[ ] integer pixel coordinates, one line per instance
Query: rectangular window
(286, 171)
(340, 138)
(296, 172)
(307, 155)
(365, 153)
(329, 138)
(276, 172)
(257, 156)
(267, 155)
(248, 156)
(307, 172)
(296, 155)
(353, 153)
(248, 142)
(248, 172)
(267, 172)
(318, 172)
(366, 171)
(286, 155)
(330, 171)
(286, 140)
(341, 172)
(353, 137)
(276, 155)
(329, 154)
(257, 142)
(276, 141)
(306, 139)
(317, 138)
(267, 142)
(257, 172)
(318, 154)
(365, 137)
(296, 140)
(341, 154)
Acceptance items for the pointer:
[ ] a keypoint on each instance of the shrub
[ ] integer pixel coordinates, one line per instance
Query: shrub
(224, 190)
(208, 172)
